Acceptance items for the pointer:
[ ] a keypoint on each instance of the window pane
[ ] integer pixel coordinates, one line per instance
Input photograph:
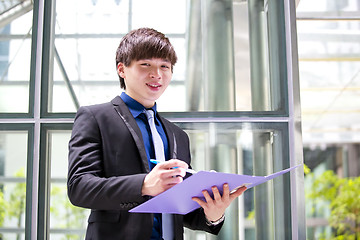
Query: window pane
(90, 70)
(66, 220)
(216, 65)
(171, 20)
(87, 35)
(329, 63)
(329, 68)
(91, 17)
(15, 48)
(240, 148)
(251, 149)
(335, 6)
(13, 161)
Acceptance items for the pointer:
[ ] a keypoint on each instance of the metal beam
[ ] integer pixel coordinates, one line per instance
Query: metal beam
(14, 12)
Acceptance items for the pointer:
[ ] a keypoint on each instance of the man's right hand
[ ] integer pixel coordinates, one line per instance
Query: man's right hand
(163, 176)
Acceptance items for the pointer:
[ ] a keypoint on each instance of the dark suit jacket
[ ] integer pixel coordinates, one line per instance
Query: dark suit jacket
(107, 167)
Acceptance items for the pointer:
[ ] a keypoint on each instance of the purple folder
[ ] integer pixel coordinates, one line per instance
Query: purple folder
(178, 198)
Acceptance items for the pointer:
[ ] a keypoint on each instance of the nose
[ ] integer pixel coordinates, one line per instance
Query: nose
(155, 73)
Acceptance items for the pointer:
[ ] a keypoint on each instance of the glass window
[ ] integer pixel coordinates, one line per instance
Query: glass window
(15, 47)
(13, 165)
(329, 66)
(162, 15)
(87, 35)
(329, 63)
(66, 220)
(326, 6)
(227, 147)
(230, 81)
(217, 57)
(251, 149)
(91, 17)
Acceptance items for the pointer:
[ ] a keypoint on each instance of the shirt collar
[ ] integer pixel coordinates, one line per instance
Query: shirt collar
(134, 106)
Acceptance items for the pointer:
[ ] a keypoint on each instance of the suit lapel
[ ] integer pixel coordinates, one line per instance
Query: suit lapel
(125, 114)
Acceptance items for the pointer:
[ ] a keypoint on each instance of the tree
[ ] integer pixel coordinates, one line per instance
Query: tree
(67, 215)
(3, 207)
(17, 199)
(343, 197)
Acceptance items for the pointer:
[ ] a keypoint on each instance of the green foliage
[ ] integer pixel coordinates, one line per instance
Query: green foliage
(68, 216)
(17, 199)
(3, 207)
(306, 169)
(15, 206)
(343, 197)
(62, 211)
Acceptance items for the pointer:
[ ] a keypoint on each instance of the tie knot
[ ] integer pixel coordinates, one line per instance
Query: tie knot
(149, 114)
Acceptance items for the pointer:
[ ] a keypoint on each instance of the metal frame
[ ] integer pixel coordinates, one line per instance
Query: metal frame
(295, 139)
(29, 128)
(39, 120)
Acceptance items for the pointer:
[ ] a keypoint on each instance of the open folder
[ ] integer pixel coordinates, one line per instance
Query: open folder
(178, 199)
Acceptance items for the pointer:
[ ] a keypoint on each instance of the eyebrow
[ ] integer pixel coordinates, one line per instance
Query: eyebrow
(149, 59)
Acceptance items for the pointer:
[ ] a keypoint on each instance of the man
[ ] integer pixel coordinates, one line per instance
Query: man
(111, 145)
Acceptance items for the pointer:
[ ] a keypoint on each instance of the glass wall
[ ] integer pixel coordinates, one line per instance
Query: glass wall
(15, 49)
(210, 38)
(241, 148)
(67, 221)
(234, 91)
(15, 188)
(329, 63)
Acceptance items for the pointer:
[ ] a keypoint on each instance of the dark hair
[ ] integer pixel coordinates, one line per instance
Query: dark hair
(144, 43)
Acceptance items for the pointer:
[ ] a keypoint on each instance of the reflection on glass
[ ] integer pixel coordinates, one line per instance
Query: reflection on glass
(329, 68)
(329, 63)
(13, 159)
(15, 49)
(90, 72)
(66, 220)
(169, 18)
(91, 17)
(86, 55)
(251, 149)
(240, 148)
(218, 68)
(334, 6)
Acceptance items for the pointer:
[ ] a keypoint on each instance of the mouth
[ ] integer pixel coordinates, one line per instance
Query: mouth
(153, 85)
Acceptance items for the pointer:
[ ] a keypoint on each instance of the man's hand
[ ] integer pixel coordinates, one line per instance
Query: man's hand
(214, 208)
(163, 176)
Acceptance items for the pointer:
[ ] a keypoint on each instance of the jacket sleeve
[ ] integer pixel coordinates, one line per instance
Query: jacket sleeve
(195, 220)
(87, 184)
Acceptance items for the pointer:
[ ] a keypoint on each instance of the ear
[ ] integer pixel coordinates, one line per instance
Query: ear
(120, 69)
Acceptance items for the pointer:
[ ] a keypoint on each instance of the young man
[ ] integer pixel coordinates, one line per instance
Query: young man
(111, 146)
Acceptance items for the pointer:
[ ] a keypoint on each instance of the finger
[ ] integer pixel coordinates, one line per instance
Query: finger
(226, 192)
(172, 173)
(216, 193)
(171, 180)
(170, 169)
(238, 192)
(173, 163)
(178, 172)
(207, 196)
(175, 180)
(226, 189)
(199, 201)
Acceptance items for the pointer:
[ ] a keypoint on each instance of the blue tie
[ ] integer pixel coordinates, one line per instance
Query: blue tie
(167, 221)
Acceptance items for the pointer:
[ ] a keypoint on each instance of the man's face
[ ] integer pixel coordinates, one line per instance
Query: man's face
(146, 79)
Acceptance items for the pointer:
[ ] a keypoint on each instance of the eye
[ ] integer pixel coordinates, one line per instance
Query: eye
(144, 64)
(165, 66)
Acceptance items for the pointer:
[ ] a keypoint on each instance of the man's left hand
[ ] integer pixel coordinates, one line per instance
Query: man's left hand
(214, 207)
